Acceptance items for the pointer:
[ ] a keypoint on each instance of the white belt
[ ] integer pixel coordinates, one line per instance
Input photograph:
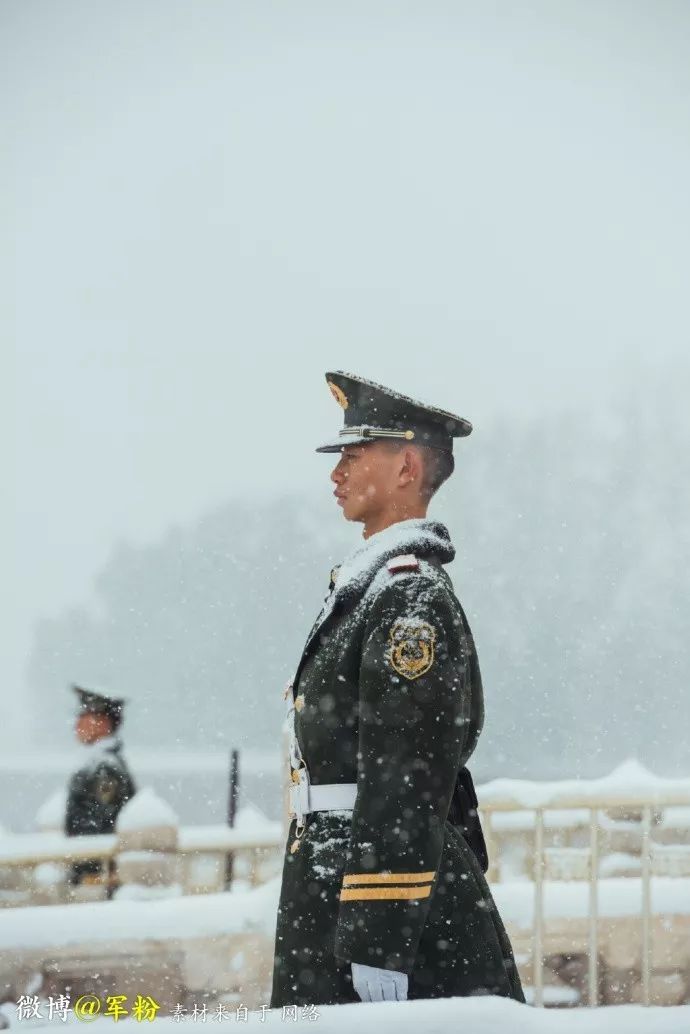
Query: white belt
(305, 797)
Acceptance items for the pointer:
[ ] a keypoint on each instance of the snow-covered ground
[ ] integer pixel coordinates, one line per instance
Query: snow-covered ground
(440, 1016)
(203, 915)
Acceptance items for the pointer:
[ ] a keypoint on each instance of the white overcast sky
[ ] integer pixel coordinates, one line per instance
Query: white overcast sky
(208, 204)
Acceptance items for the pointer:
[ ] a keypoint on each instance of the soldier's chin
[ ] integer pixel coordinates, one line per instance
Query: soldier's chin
(353, 509)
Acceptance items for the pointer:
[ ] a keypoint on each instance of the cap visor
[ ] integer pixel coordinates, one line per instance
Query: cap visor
(336, 444)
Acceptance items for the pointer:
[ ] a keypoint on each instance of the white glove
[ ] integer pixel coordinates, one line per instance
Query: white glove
(379, 985)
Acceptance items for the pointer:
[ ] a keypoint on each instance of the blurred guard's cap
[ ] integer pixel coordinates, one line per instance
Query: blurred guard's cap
(372, 411)
(90, 701)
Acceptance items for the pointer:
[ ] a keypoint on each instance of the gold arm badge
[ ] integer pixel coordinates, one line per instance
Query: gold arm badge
(411, 647)
(338, 394)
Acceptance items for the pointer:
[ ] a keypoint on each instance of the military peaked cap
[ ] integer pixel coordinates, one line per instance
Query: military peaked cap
(92, 702)
(373, 411)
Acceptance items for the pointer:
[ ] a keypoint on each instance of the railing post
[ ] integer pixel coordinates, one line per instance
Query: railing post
(646, 902)
(147, 831)
(593, 906)
(233, 797)
(255, 857)
(537, 943)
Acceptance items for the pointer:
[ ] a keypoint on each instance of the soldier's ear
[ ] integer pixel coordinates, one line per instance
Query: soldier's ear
(411, 465)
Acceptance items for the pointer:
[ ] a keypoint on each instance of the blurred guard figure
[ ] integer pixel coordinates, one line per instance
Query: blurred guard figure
(103, 784)
(383, 892)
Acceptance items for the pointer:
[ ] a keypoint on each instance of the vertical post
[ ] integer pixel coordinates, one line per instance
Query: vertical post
(593, 906)
(646, 902)
(111, 878)
(538, 938)
(232, 811)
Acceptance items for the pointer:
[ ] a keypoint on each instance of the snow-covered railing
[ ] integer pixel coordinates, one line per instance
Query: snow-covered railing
(148, 849)
(629, 789)
(26, 849)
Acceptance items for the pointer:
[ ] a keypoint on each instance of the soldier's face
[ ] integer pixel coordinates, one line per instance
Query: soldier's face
(92, 727)
(366, 479)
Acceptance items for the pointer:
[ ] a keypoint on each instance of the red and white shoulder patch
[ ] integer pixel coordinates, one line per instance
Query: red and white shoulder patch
(404, 562)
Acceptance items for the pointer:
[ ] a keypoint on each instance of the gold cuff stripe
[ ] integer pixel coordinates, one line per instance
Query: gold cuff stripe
(388, 877)
(381, 893)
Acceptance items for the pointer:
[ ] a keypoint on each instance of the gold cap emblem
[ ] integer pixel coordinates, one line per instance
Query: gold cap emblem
(338, 394)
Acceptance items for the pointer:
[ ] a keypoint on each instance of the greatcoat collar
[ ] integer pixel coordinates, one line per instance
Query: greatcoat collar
(419, 535)
(102, 749)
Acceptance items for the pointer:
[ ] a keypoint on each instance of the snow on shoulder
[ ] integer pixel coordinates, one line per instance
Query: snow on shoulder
(145, 810)
(417, 536)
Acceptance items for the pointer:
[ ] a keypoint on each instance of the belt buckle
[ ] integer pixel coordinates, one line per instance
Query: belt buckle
(298, 796)
(293, 803)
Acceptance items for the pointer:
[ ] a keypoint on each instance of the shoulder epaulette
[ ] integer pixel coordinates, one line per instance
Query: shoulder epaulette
(404, 562)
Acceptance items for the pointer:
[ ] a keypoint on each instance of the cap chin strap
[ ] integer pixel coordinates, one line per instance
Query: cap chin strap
(376, 432)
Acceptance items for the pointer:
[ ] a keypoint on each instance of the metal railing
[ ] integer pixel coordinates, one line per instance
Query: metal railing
(26, 851)
(644, 802)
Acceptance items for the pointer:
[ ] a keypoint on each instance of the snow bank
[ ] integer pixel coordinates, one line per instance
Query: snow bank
(202, 915)
(569, 899)
(627, 781)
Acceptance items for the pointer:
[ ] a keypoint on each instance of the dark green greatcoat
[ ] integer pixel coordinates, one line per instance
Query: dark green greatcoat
(96, 794)
(389, 696)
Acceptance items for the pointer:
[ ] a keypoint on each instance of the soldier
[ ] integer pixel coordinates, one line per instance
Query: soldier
(383, 895)
(100, 788)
